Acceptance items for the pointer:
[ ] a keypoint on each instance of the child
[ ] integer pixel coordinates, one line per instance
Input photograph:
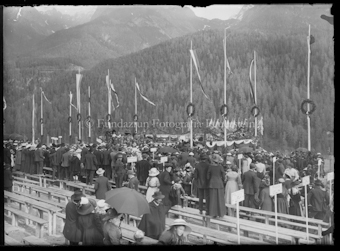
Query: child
(176, 192)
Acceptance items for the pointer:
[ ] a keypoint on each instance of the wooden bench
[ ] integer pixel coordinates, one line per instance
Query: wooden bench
(23, 180)
(35, 241)
(128, 232)
(62, 216)
(9, 241)
(39, 222)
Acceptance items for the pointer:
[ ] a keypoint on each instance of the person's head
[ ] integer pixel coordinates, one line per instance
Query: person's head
(130, 174)
(252, 166)
(100, 172)
(76, 197)
(168, 167)
(179, 228)
(234, 168)
(158, 196)
(138, 236)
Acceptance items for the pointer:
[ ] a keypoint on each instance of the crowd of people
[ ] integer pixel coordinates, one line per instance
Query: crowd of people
(199, 172)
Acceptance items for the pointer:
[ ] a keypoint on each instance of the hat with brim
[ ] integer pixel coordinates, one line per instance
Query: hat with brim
(153, 172)
(318, 183)
(158, 195)
(77, 195)
(100, 171)
(111, 214)
(216, 158)
(191, 154)
(281, 180)
(228, 162)
(87, 208)
(181, 222)
(102, 205)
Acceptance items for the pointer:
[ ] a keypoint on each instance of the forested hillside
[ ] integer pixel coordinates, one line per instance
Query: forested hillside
(163, 73)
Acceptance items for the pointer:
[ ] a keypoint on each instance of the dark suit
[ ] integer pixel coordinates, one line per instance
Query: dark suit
(279, 170)
(71, 230)
(200, 175)
(39, 160)
(107, 164)
(99, 156)
(250, 188)
(53, 161)
(134, 183)
(165, 186)
(119, 172)
(90, 165)
(143, 168)
(59, 155)
(65, 165)
(215, 176)
(101, 186)
(317, 198)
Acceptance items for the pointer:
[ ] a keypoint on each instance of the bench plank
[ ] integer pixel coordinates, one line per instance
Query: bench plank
(34, 241)
(9, 241)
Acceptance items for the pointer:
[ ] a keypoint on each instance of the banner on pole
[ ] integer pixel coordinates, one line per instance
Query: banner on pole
(330, 176)
(240, 156)
(164, 159)
(275, 189)
(153, 150)
(131, 159)
(237, 196)
(305, 180)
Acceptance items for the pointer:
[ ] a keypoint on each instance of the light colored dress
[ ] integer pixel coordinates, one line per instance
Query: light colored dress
(233, 184)
(152, 183)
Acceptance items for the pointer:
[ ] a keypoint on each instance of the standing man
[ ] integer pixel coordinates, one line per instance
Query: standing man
(318, 198)
(249, 181)
(107, 162)
(98, 154)
(53, 161)
(65, 164)
(166, 183)
(133, 181)
(90, 165)
(119, 171)
(200, 176)
(59, 155)
(39, 159)
(102, 185)
(71, 231)
(143, 168)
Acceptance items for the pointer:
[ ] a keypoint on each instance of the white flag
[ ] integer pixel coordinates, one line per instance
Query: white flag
(145, 98)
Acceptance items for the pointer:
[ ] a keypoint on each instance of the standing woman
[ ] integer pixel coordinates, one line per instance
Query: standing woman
(282, 204)
(295, 199)
(266, 201)
(119, 171)
(233, 184)
(176, 235)
(89, 223)
(152, 183)
(215, 175)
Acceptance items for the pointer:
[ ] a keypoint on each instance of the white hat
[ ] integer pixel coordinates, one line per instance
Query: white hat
(191, 154)
(103, 205)
(229, 154)
(153, 172)
(100, 171)
(28, 145)
(78, 150)
(181, 222)
(176, 153)
(228, 162)
(139, 234)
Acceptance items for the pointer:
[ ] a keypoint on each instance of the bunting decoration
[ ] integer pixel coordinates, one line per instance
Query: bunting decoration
(225, 54)
(5, 104)
(251, 82)
(145, 98)
(116, 94)
(195, 60)
(42, 92)
(71, 97)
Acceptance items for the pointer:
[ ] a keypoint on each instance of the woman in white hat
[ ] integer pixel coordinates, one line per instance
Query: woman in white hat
(152, 183)
(177, 234)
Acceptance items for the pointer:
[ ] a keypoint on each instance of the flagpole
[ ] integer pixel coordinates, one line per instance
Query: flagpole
(109, 97)
(33, 134)
(191, 129)
(135, 103)
(255, 91)
(308, 91)
(225, 85)
(89, 122)
(70, 123)
(78, 106)
(41, 118)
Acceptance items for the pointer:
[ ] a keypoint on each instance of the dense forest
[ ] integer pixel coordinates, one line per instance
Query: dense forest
(163, 74)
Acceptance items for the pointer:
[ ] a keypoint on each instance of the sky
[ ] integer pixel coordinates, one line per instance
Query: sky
(223, 12)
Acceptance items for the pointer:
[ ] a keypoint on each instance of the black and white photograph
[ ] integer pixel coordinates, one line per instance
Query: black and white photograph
(151, 125)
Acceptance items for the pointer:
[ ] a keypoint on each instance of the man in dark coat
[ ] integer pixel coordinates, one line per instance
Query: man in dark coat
(153, 224)
(279, 170)
(143, 168)
(24, 160)
(249, 181)
(119, 171)
(53, 161)
(99, 156)
(8, 178)
(90, 165)
(107, 163)
(59, 155)
(7, 154)
(166, 183)
(102, 185)
(39, 159)
(318, 198)
(71, 231)
(200, 176)
(65, 164)
(133, 181)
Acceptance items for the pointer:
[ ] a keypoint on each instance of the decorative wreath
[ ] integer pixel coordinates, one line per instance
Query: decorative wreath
(308, 101)
(69, 119)
(108, 117)
(224, 111)
(255, 111)
(190, 114)
(135, 117)
(41, 121)
(79, 117)
(88, 118)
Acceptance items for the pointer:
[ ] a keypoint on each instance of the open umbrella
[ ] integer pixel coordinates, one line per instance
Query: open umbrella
(246, 149)
(128, 201)
(16, 136)
(167, 149)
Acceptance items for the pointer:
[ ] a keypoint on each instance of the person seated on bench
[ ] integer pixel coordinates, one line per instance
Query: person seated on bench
(111, 228)
(176, 235)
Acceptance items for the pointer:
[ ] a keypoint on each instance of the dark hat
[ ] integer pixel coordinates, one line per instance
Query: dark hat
(87, 208)
(158, 195)
(177, 169)
(111, 213)
(77, 195)
(318, 183)
(203, 156)
(166, 165)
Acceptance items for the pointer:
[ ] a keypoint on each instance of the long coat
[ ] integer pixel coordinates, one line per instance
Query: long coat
(266, 203)
(91, 228)
(165, 187)
(25, 160)
(101, 186)
(38, 155)
(106, 158)
(90, 161)
(65, 159)
(99, 156)
(249, 182)
(59, 154)
(215, 176)
(71, 230)
(153, 224)
(75, 165)
(316, 197)
(200, 174)
(143, 168)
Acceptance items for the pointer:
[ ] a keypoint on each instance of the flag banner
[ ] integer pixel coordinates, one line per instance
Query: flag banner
(116, 94)
(5, 104)
(78, 81)
(311, 39)
(45, 96)
(112, 105)
(194, 58)
(225, 55)
(251, 82)
(71, 96)
(145, 98)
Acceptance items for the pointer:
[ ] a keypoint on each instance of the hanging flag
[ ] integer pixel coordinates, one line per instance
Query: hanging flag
(5, 104)
(195, 60)
(225, 55)
(145, 98)
(78, 81)
(71, 96)
(260, 125)
(311, 40)
(116, 94)
(251, 82)
(42, 92)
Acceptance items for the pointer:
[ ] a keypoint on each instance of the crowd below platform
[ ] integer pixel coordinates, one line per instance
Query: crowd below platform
(197, 172)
